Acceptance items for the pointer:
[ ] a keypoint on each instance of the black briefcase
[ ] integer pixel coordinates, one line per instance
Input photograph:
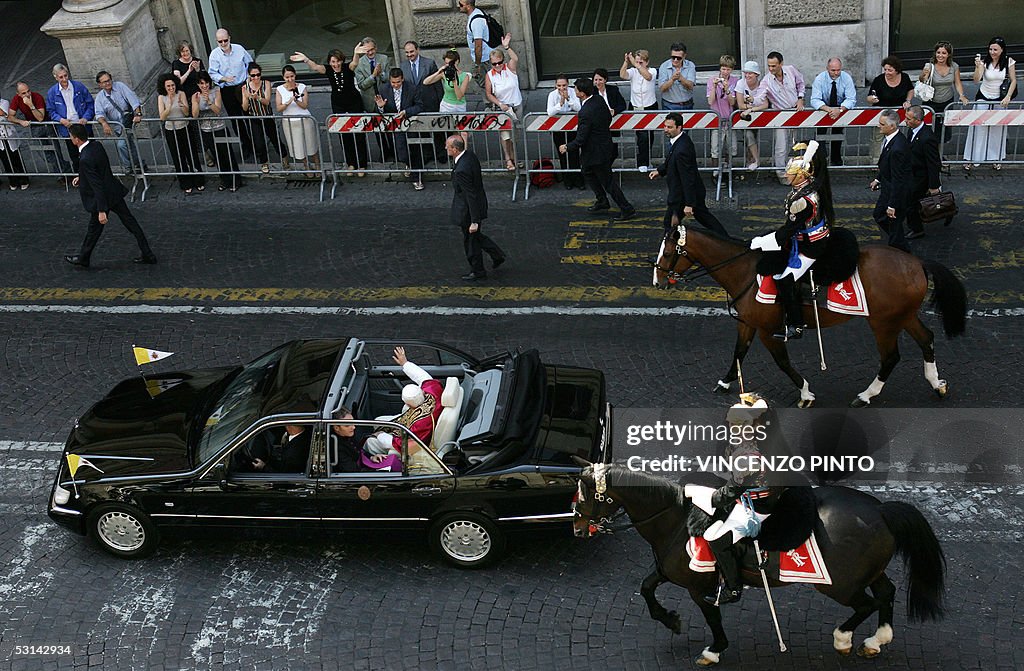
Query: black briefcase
(941, 205)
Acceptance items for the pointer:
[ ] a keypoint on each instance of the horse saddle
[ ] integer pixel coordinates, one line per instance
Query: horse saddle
(793, 518)
(804, 563)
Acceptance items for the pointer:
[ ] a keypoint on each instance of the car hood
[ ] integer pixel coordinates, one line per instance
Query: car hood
(141, 426)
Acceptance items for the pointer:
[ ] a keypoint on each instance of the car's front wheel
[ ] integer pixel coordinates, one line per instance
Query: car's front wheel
(467, 540)
(123, 531)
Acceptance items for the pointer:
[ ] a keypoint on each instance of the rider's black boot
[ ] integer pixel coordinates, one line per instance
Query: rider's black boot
(790, 297)
(731, 589)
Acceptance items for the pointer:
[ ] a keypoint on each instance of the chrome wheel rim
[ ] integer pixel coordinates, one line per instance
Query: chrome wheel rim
(465, 541)
(121, 531)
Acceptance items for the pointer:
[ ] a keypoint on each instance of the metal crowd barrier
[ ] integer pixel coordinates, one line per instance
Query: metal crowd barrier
(990, 134)
(543, 133)
(242, 148)
(37, 151)
(408, 144)
(859, 127)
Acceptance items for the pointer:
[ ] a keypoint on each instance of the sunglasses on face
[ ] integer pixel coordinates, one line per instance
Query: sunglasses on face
(255, 76)
(223, 41)
(677, 58)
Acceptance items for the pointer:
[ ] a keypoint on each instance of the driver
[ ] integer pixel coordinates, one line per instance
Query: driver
(422, 408)
(804, 236)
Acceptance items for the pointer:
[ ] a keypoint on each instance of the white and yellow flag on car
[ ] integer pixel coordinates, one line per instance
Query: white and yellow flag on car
(76, 461)
(143, 355)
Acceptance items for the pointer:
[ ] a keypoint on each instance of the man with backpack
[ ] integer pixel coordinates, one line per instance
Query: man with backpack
(483, 33)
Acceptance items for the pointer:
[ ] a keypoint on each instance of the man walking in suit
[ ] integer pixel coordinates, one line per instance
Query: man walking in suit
(893, 180)
(597, 151)
(686, 194)
(925, 165)
(399, 99)
(469, 209)
(101, 194)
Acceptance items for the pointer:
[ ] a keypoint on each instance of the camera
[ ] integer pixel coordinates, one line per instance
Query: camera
(450, 73)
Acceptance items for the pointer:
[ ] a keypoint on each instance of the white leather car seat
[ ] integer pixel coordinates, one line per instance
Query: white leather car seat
(448, 421)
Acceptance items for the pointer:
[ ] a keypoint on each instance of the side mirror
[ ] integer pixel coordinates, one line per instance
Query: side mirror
(220, 473)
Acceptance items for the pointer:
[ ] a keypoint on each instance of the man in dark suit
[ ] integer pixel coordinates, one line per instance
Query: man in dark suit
(399, 100)
(289, 455)
(101, 194)
(893, 180)
(597, 151)
(469, 209)
(925, 165)
(416, 68)
(686, 194)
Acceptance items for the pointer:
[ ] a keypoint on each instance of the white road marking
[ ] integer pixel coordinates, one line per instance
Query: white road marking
(432, 310)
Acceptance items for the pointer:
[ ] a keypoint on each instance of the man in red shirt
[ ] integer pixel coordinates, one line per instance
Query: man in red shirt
(32, 107)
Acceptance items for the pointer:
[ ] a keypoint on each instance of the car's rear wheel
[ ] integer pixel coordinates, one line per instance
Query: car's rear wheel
(467, 540)
(123, 531)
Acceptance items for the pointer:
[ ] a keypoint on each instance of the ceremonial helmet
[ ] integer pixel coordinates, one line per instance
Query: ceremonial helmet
(802, 164)
(412, 395)
(750, 407)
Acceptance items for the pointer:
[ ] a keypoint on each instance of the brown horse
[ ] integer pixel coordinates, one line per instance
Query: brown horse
(895, 284)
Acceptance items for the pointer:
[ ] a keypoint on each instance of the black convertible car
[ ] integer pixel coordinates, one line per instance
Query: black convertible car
(175, 451)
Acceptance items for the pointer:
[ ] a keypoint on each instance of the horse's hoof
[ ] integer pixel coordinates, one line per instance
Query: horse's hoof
(845, 652)
(703, 661)
(858, 402)
(867, 653)
(805, 403)
(941, 390)
(708, 658)
(721, 388)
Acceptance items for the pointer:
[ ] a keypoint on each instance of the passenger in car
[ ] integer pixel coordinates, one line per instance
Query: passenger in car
(423, 406)
(289, 455)
(344, 448)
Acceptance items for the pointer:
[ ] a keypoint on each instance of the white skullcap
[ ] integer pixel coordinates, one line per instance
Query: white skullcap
(412, 395)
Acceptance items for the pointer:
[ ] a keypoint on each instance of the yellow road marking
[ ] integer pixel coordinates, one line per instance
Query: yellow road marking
(577, 240)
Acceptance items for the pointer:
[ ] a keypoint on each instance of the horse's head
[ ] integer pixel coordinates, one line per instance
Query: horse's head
(593, 506)
(673, 259)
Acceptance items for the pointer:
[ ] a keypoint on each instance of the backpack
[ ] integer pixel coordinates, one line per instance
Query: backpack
(543, 180)
(494, 30)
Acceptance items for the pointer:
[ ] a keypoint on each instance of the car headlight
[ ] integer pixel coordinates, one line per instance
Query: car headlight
(61, 495)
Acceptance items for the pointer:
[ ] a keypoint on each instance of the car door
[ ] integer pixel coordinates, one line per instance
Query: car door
(227, 496)
(381, 500)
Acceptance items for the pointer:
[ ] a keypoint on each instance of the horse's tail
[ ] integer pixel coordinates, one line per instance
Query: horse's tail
(922, 556)
(949, 298)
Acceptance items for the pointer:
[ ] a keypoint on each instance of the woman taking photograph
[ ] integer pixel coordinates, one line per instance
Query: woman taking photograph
(207, 106)
(943, 74)
(175, 113)
(345, 99)
(300, 131)
(454, 81)
(988, 143)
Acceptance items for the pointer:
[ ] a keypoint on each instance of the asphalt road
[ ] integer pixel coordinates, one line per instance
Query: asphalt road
(240, 275)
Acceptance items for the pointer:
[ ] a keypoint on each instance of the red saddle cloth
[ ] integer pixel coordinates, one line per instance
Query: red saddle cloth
(846, 297)
(803, 564)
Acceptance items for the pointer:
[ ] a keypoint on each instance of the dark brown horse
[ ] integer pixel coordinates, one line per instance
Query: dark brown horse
(858, 536)
(895, 284)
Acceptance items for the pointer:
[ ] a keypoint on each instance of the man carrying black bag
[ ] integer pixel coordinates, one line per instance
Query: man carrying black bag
(924, 168)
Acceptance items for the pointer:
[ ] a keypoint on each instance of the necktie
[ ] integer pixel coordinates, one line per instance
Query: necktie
(373, 64)
(415, 71)
(833, 98)
(398, 100)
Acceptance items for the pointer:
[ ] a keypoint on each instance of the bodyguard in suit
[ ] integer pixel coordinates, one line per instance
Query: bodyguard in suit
(893, 180)
(686, 193)
(597, 151)
(416, 68)
(101, 194)
(925, 165)
(399, 100)
(469, 209)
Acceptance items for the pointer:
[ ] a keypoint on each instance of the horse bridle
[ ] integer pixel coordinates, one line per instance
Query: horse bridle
(605, 525)
(700, 270)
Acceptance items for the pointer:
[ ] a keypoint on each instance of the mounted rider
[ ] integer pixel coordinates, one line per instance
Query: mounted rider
(745, 501)
(804, 236)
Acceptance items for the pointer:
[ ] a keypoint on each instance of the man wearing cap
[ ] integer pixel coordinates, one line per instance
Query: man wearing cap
(748, 94)
(833, 92)
(422, 408)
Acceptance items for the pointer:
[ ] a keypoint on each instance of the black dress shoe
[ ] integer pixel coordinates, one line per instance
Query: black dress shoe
(497, 262)
(599, 207)
(723, 596)
(789, 333)
(625, 216)
(915, 235)
(76, 260)
(474, 277)
(145, 259)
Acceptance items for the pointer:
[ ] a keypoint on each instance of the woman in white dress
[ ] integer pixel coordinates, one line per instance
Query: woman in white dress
(300, 131)
(988, 143)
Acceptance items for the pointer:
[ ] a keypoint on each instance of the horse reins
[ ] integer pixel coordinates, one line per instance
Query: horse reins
(701, 270)
(613, 528)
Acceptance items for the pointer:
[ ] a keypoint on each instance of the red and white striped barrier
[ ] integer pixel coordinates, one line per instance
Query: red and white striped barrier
(624, 121)
(389, 123)
(985, 117)
(816, 119)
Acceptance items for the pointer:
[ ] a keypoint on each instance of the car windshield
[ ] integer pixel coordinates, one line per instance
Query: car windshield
(239, 405)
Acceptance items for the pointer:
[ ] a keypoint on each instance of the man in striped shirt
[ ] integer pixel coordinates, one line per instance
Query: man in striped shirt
(782, 89)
